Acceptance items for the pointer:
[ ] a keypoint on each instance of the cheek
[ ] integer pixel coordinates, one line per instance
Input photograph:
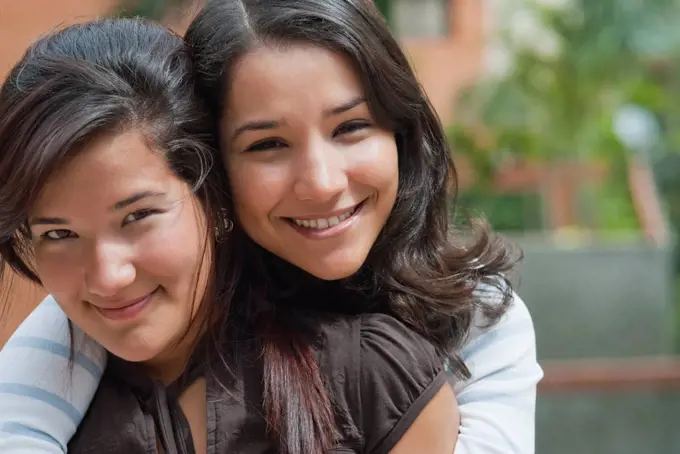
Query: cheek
(190, 255)
(173, 251)
(377, 166)
(60, 273)
(257, 188)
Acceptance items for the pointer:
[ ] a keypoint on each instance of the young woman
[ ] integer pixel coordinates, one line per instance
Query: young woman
(321, 113)
(110, 201)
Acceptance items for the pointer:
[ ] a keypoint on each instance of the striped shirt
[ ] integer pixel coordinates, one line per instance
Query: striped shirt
(42, 401)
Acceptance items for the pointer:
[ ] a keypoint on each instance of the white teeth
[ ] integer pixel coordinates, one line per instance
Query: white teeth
(325, 222)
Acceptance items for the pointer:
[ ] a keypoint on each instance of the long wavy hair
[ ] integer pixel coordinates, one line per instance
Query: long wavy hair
(102, 77)
(420, 269)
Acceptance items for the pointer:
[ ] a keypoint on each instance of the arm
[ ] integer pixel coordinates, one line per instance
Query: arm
(42, 400)
(497, 404)
(406, 402)
(431, 431)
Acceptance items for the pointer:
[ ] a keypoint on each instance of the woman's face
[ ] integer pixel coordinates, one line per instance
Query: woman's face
(119, 243)
(313, 177)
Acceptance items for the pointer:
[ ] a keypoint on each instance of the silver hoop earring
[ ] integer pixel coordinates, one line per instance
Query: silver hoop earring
(228, 225)
(223, 227)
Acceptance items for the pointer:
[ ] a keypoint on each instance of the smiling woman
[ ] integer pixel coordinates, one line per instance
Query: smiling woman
(114, 211)
(127, 260)
(121, 257)
(121, 217)
(315, 176)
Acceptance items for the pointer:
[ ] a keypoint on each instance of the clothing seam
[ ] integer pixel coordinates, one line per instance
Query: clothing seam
(411, 414)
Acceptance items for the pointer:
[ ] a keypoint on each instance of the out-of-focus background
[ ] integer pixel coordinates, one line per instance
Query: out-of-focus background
(565, 121)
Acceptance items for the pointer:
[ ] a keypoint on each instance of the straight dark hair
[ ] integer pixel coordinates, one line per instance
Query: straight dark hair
(105, 77)
(425, 273)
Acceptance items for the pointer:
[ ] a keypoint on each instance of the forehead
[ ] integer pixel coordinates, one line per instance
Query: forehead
(286, 77)
(107, 168)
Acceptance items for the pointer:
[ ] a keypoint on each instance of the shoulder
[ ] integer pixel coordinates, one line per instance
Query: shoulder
(394, 355)
(373, 333)
(114, 422)
(514, 329)
(37, 378)
(371, 345)
(497, 403)
(381, 376)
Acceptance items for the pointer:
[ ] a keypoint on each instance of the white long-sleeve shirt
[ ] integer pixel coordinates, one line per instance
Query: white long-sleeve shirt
(498, 403)
(42, 401)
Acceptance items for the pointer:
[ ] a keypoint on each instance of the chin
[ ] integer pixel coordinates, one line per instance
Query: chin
(333, 273)
(139, 353)
(333, 267)
(134, 356)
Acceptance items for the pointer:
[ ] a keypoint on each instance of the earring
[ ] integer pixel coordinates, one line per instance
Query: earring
(224, 226)
(228, 225)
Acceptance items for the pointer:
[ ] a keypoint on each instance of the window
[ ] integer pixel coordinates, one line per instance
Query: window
(419, 18)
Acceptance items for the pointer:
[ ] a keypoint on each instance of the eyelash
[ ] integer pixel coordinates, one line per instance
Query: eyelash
(264, 145)
(345, 128)
(46, 236)
(143, 214)
(352, 126)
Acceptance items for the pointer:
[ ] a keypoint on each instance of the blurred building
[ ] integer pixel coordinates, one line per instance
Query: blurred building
(445, 41)
(21, 22)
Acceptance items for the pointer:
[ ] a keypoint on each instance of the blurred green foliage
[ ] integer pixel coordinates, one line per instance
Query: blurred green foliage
(510, 212)
(571, 65)
(151, 9)
(385, 7)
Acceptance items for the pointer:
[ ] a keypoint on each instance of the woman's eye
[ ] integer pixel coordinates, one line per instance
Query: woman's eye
(351, 126)
(268, 144)
(138, 216)
(57, 234)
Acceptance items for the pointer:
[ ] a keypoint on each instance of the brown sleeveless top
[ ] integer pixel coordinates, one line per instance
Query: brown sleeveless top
(379, 376)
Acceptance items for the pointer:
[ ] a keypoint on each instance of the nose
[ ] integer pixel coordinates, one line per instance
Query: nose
(320, 172)
(109, 269)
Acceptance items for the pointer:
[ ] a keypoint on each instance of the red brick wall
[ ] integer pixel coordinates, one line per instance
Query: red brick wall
(447, 64)
(22, 21)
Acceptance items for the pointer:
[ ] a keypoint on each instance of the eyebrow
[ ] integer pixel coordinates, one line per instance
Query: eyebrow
(47, 221)
(255, 126)
(345, 107)
(135, 198)
(270, 124)
(116, 207)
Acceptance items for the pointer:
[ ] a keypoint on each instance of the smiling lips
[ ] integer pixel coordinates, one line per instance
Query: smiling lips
(128, 309)
(325, 223)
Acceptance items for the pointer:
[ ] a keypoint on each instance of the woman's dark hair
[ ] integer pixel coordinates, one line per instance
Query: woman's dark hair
(430, 278)
(84, 81)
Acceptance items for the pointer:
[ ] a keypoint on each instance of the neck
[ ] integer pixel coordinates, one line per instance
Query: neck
(169, 365)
